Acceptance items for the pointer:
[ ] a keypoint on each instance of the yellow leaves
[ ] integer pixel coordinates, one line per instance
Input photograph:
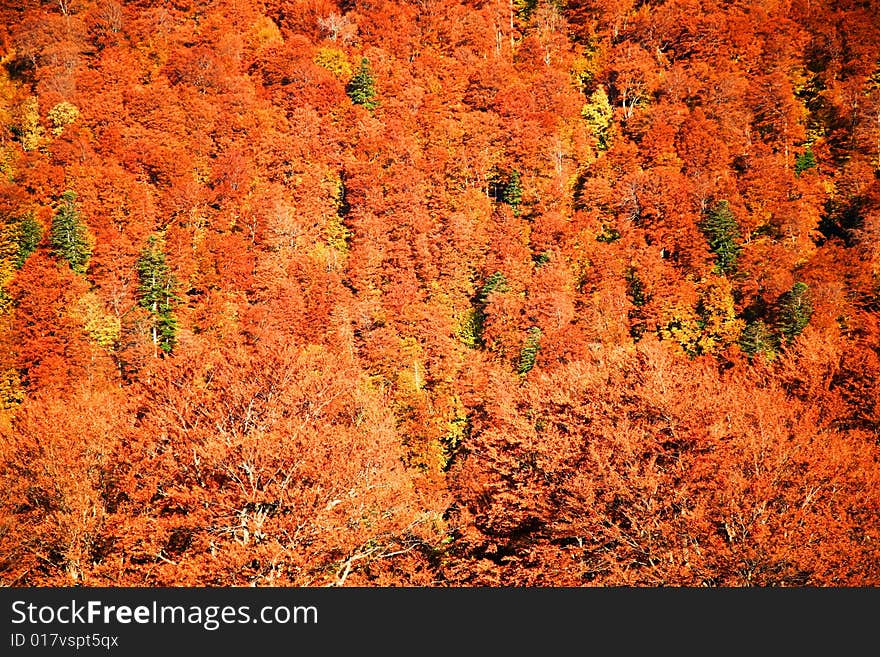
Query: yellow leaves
(457, 429)
(326, 257)
(335, 61)
(7, 94)
(7, 163)
(62, 115)
(8, 90)
(681, 324)
(584, 69)
(598, 114)
(467, 328)
(30, 132)
(102, 327)
(8, 251)
(720, 324)
(265, 34)
(11, 393)
(711, 326)
(337, 234)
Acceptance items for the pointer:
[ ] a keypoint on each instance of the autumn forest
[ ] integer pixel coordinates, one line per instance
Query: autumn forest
(440, 293)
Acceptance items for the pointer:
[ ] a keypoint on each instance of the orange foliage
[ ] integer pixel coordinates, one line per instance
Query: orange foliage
(478, 330)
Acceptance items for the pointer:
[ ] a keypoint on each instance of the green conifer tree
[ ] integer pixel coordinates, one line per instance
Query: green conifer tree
(70, 237)
(513, 191)
(156, 294)
(795, 310)
(804, 161)
(362, 86)
(28, 235)
(495, 283)
(529, 352)
(722, 232)
(756, 338)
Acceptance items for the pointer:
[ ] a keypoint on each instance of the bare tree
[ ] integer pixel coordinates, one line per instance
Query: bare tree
(338, 27)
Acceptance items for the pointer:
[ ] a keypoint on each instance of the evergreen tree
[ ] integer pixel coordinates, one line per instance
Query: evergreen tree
(795, 310)
(473, 329)
(70, 236)
(756, 338)
(513, 191)
(506, 188)
(28, 235)
(156, 292)
(529, 352)
(804, 161)
(495, 283)
(361, 88)
(722, 233)
(635, 288)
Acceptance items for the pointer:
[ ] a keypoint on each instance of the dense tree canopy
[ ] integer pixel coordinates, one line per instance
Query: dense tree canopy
(440, 293)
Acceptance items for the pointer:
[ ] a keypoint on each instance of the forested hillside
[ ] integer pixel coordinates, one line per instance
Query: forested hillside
(440, 292)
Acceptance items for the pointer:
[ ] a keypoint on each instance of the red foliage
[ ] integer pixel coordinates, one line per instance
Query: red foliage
(476, 331)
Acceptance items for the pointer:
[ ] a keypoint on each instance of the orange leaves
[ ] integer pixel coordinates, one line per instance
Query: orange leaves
(50, 344)
(487, 308)
(56, 463)
(657, 477)
(280, 456)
